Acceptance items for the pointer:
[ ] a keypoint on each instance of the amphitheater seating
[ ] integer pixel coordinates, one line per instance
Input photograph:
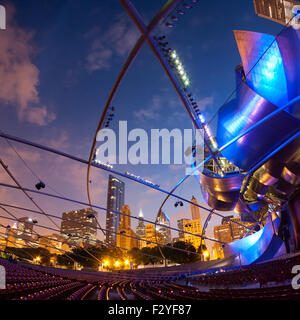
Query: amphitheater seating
(271, 280)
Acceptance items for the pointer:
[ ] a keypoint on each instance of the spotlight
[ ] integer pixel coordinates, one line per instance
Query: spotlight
(40, 185)
(201, 118)
(184, 77)
(173, 55)
(173, 18)
(186, 82)
(180, 12)
(162, 38)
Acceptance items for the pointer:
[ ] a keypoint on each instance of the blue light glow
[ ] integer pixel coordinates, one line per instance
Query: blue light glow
(268, 78)
(240, 120)
(201, 118)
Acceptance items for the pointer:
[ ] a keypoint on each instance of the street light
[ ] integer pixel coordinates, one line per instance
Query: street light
(106, 263)
(205, 254)
(37, 259)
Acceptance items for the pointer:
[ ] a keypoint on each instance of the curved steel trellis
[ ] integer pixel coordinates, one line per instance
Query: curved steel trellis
(162, 13)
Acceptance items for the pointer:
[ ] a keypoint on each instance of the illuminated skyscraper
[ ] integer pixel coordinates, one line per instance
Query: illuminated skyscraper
(276, 10)
(24, 229)
(180, 224)
(115, 201)
(152, 237)
(141, 229)
(228, 231)
(193, 226)
(126, 237)
(164, 220)
(82, 227)
(194, 209)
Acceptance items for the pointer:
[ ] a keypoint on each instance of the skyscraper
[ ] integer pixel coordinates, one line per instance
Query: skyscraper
(24, 229)
(126, 237)
(115, 201)
(194, 209)
(152, 237)
(141, 229)
(164, 220)
(228, 232)
(276, 10)
(81, 227)
(193, 226)
(180, 225)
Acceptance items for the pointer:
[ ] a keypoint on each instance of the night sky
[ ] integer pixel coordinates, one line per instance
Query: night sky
(58, 63)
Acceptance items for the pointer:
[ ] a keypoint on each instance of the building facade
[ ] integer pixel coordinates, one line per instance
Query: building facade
(152, 237)
(25, 229)
(55, 244)
(195, 210)
(141, 229)
(276, 10)
(229, 231)
(164, 226)
(79, 226)
(126, 237)
(115, 201)
(180, 224)
(193, 226)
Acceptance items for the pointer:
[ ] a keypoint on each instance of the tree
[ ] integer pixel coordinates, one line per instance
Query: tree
(182, 256)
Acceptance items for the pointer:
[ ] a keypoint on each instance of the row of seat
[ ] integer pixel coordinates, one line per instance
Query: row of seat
(32, 282)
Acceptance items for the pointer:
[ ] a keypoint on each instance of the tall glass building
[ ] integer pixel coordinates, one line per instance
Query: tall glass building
(141, 228)
(115, 201)
(79, 226)
(163, 220)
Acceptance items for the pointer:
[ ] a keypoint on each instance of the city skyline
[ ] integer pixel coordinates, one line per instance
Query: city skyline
(52, 125)
(149, 151)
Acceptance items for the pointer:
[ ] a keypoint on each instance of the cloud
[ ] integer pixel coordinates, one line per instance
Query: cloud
(20, 77)
(117, 40)
(205, 103)
(150, 113)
